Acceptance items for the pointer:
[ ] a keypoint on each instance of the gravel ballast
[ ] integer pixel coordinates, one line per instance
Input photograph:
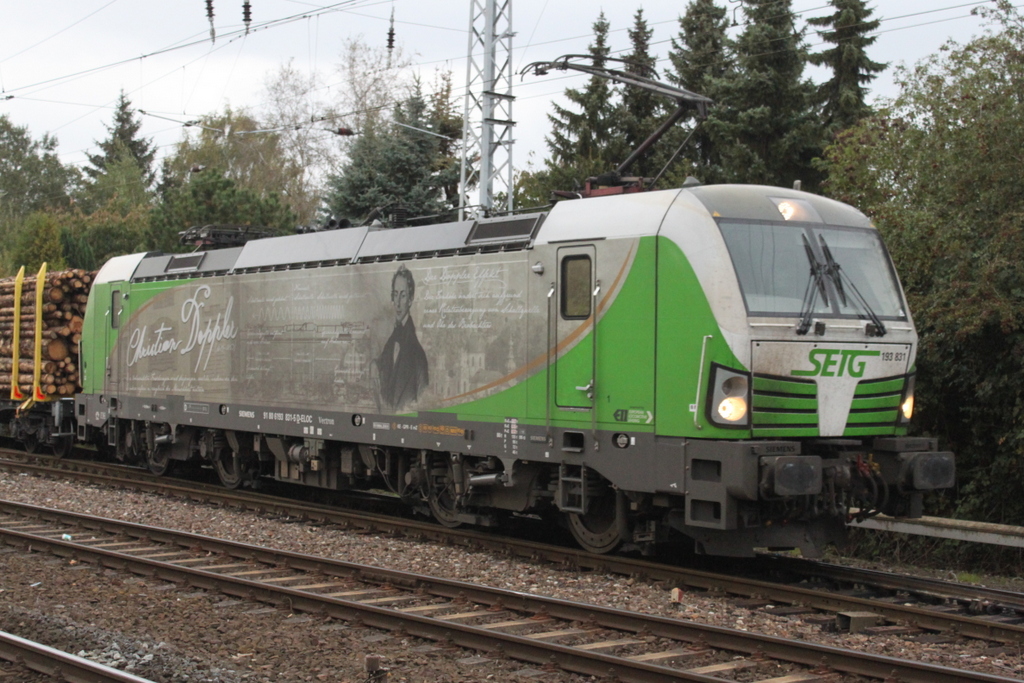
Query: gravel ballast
(157, 631)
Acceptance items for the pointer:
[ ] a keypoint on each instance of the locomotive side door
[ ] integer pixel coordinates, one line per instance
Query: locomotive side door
(575, 371)
(113, 328)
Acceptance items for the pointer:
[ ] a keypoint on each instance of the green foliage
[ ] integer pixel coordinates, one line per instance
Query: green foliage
(32, 178)
(842, 96)
(237, 146)
(124, 136)
(77, 250)
(939, 172)
(121, 188)
(36, 241)
(208, 197)
(403, 162)
(91, 238)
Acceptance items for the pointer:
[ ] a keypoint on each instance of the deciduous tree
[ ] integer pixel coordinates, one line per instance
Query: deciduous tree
(239, 147)
(209, 197)
(32, 177)
(939, 172)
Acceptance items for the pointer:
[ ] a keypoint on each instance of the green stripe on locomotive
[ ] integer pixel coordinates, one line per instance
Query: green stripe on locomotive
(99, 337)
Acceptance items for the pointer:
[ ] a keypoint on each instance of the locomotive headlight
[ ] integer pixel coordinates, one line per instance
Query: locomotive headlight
(792, 209)
(908, 408)
(728, 397)
(907, 403)
(732, 409)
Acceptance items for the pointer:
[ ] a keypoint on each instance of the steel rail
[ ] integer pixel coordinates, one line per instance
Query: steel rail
(927, 619)
(570, 658)
(937, 588)
(59, 664)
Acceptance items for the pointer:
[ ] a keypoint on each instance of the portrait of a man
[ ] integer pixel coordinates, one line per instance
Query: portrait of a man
(402, 364)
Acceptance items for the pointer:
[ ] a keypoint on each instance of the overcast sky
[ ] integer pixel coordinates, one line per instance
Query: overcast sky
(63, 62)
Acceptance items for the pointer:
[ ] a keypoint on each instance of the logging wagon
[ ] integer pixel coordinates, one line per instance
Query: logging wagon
(727, 366)
(41, 322)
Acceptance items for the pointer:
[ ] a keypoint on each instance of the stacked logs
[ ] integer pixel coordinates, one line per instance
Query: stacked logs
(64, 299)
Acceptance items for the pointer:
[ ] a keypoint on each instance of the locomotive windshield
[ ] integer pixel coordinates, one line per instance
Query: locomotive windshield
(772, 264)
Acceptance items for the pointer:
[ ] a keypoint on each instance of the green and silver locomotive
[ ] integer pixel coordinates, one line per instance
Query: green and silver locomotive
(733, 365)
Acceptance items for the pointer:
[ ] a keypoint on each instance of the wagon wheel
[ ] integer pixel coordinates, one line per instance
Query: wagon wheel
(597, 530)
(30, 442)
(442, 498)
(63, 445)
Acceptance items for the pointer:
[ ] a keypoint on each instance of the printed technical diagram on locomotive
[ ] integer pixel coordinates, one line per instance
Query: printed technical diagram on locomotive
(728, 366)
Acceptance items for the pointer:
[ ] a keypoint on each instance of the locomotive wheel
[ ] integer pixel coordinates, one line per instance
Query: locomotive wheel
(597, 530)
(230, 471)
(158, 460)
(442, 499)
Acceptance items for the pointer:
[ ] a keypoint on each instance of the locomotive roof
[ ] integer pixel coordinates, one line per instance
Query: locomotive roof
(628, 215)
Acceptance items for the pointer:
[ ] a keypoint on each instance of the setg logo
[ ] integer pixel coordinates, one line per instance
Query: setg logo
(836, 363)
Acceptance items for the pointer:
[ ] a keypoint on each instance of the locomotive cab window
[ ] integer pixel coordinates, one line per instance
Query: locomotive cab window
(576, 279)
(115, 309)
(774, 262)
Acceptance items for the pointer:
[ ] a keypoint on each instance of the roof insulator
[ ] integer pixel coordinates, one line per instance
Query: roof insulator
(391, 31)
(209, 15)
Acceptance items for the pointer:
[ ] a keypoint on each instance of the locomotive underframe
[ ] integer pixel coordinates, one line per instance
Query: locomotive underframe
(613, 488)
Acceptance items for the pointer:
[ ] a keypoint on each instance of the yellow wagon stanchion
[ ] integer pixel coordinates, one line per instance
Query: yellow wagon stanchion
(16, 394)
(37, 395)
(37, 390)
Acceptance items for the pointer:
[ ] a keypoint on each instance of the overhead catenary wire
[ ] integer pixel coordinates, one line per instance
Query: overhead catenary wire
(546, 92)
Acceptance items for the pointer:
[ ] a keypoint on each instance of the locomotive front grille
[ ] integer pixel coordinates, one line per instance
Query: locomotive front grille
(875, 406)
(784, 407)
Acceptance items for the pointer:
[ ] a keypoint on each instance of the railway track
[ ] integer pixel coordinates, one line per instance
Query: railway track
(59, 665)
(580, 638)
(880, 603)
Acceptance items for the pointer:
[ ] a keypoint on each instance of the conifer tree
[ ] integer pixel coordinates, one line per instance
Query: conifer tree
(700, 58)
(583, 136)
(842, 96)
(123, 135)
(401, 162)
(641, 107)
(764, 124)
(586, 137)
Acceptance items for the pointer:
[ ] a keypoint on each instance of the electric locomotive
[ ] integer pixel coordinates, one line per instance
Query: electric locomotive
(728, 365)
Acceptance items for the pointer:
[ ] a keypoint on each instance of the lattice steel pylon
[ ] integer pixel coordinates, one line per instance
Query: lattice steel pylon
(487, 118)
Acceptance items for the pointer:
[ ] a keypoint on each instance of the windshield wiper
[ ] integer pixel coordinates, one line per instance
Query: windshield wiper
(836, 274)
(815, 285)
